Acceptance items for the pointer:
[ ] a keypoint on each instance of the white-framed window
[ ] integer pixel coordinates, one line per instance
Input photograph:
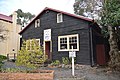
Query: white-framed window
(59, 18)
(31, 43)
(37, 23)
(67, 42)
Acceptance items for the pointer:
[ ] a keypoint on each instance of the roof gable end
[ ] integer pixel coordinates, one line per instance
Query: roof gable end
(69, 14)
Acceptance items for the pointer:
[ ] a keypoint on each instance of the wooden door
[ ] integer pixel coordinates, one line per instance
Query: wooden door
(100, 50)
(47, 49)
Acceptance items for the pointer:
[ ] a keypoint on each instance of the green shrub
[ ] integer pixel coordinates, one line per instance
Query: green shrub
(15, 70)
(65, 60)
(31, 58)
(55, 63)
(1, 64)
(2, 58)
(70, 60)
(9, 70)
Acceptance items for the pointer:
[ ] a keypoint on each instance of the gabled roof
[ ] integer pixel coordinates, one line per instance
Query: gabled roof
(5, 18)
(73, 15)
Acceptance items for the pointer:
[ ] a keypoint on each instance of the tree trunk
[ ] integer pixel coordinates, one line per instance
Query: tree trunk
(114, 52)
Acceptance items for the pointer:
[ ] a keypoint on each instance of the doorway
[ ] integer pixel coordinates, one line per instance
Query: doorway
(100, 50)
(48, 49)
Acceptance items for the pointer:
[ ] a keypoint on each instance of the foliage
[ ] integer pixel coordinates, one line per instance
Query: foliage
(55, 63)
(110, 16)
(110, 19)
(15, 70)
(2, 58)
(10, 70)
(65, 60)
(24, 17)
(111, 13)
(31, 58)
(70, 60)
(88, 8)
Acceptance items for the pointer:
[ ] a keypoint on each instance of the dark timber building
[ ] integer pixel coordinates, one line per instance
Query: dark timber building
(58, 31)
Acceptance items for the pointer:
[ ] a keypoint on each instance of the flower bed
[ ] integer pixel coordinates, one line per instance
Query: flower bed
(34, 75)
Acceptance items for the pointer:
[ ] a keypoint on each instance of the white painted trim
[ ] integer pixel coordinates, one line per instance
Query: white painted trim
(30, 42)
(37, 23)
(50, 48)
(59, 15)
(67, 36)
(38, 40)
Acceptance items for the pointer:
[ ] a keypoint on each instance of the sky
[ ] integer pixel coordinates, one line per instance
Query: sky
(7, 7)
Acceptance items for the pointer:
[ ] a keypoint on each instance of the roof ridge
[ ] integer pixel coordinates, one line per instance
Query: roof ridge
(70, 14)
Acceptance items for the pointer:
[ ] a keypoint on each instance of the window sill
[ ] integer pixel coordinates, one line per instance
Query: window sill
(70, 50)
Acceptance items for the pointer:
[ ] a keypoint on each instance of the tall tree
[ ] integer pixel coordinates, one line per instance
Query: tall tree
(24, 17)
(110, 20)
(88, 8)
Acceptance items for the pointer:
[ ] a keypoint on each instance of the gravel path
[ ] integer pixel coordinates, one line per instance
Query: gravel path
(86, 72)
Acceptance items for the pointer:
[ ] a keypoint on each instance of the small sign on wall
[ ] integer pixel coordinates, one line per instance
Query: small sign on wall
(72, 54)
(47, 35)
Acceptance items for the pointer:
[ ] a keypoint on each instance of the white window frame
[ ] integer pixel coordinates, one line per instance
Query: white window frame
(59, 17)
(68, 36)
(37, 23)
(30, 44)
(38, 40)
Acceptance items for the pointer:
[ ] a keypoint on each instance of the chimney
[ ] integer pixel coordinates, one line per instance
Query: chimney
(14, 18)
(14, 32)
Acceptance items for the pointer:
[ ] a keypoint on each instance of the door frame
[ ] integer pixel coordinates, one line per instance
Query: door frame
(50, 49)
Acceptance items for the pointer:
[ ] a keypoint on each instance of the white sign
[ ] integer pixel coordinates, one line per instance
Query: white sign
(72, 54)
(47, 35)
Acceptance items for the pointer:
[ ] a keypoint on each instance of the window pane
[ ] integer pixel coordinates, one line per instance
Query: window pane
(74, 46)
(37, 42)
(59, 18)
(63, 46)
(37, 23)
(67, 42)
(31, 44)
(63, 43)
(73, 42)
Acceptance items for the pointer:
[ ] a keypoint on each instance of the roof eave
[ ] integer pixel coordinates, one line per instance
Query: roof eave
(6, 20)
(80, 17)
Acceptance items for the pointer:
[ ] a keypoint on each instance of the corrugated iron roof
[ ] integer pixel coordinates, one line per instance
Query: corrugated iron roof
(5, 18)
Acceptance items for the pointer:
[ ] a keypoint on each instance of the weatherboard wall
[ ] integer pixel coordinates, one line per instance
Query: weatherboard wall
(69, 26)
